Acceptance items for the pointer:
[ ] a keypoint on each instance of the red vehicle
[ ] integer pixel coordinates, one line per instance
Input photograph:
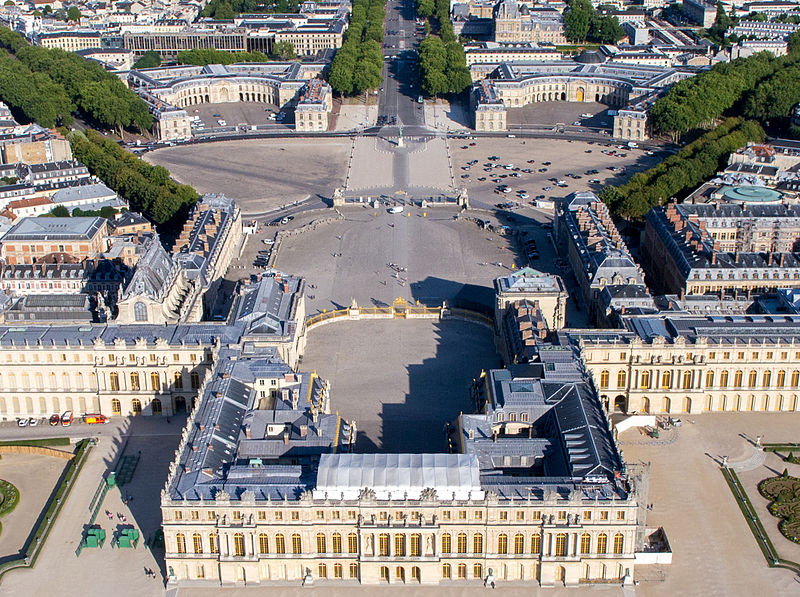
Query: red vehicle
(66, 418)
(95, 419)
(55, 420)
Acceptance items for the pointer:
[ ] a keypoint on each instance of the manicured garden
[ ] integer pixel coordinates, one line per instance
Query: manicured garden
(783, 491)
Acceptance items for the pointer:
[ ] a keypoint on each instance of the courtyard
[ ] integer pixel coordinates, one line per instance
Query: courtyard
(401, 380)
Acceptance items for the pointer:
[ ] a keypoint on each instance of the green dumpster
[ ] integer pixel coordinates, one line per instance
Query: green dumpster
(95, 538)
(128, 538)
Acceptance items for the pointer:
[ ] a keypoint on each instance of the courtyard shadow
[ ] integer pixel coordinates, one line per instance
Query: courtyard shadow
(438, 389)
(432, 291)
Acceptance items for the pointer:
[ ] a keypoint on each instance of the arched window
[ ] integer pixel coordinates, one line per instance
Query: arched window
(645, 382)
(322, 571)
(415, 574)
(336, 543)
(155, 406)
(536, 543)
(280, 544)
(116, 407)
(767, 379)
(462, 543)
(155, 382)
(462, 571)
(213, 543)
(140, 311)
(752, 379)
(586, 543)
(134, 380)
(502, 544)
(385, 573)
(619, 543)
(687, 380)
(178, 381)
(263, 543)
(561, 545)
(477, 543)
(400, 544)
(197, 543)
(238, 544)
(723, 379)
(337, 571)
(353, 570)
(737, 379)
(709, 379)
(795, 378)
(352, 543)
(136, 406)
(622, 379)
(666, 379)
(604, 379)
(297, 544)
(180, 540)
(477, 571)
(113, 380)
(415, 550)
(321, 547)
(519, 543)
(602, 543)
(447, 571)
(446, 543)
(383, 544)
(781, 378)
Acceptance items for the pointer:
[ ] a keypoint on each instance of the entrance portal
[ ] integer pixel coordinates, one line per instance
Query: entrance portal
(581, 93)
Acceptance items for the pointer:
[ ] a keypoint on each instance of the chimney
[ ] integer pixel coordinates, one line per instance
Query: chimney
(303, 430)
(736, 257)
(783, 256)
(471, 434)
(286, 287)
(494, 436)
(713, 257)
(247, 432)
(286, 437)
(530, 431)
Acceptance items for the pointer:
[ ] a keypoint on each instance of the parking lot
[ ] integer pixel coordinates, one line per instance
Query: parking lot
(239, 114)
(538, 165)
(559, 113)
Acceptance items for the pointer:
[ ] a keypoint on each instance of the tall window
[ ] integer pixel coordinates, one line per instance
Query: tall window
(116, 407)
(280, 544)
(710, 379)
(462, 543)
(477, 543)
(622, 379)
(602, 543)
(586, 543)
(134, 381)
(297, 544)
(415, 573)
(767, 380)
(447, 571)
(136, 406)
(238, 544)
(561, 545)
(181, 542)
(155, 406)
(781, 378)
(399, 544)
(666, 379)
(604, 380)
(352, 543)
(385, 573)
(795, 378)
(337, 571)
(519, 543)
(462, 571)
(353, 570)
(752, 379)
(687, 380)
(336, 541)
(195, 380)
(140, 311)
(321, 547)
(197, 543)
(536, 543)
(322, 570)
(645, 381)
(723, 379)
(737, 379)
(383, 544)
(113, 379)
(155, 381)
(477, 571)
(446, 543)
(502, 544)
(416, 545)
(263, 543)
(619, 543)
(213, 543)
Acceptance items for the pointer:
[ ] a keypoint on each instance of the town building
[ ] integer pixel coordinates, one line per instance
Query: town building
(548, 290)
(700, 12)
(32, 239)
(519, 23)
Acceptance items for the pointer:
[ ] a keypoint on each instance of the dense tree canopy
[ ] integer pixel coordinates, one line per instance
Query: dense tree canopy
(358, 63)
(147, 188)
(682, 172)
(204, 56)
(46, 85)
(228, 9)
(150, 59)
(443, 67)
(583, 23)
(283, 50)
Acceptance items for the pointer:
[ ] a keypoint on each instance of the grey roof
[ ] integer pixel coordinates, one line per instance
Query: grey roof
(154, 270)
(32, 229)
(92, 192)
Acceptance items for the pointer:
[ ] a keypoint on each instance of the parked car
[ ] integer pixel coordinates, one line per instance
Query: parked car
(23, 422)
(95, 419)
(54, 420)
(66, 418)
(34, 422)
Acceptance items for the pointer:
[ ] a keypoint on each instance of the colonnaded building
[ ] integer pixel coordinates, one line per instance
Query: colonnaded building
(265, 487)
(169, 91)
(590, 77)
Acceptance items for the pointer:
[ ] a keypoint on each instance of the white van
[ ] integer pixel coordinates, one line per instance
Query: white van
(397, 209)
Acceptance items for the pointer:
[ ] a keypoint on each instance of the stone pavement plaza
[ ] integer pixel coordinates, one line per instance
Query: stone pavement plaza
(260, 174)
(400, 380)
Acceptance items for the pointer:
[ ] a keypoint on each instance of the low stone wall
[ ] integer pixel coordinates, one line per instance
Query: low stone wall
(312, 225)
(42, 450)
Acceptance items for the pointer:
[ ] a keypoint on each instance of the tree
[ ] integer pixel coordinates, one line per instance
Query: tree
(722, 20)
(73, 14)
(47, 10)
(59, 211)
(150, 59)
(283, 50)
(577, 20)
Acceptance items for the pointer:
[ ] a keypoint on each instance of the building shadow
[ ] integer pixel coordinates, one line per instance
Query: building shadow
(432, 291)
(438, 389)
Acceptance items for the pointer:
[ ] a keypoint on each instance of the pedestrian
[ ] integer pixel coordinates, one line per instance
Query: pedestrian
(146, 571)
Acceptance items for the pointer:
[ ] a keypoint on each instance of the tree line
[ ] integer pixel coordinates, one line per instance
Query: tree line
(737, 88)
(62, 83)
(582, 23)
(681, 173)
(442, 64)
(148, 189)
(358, 63)
(228, 9)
